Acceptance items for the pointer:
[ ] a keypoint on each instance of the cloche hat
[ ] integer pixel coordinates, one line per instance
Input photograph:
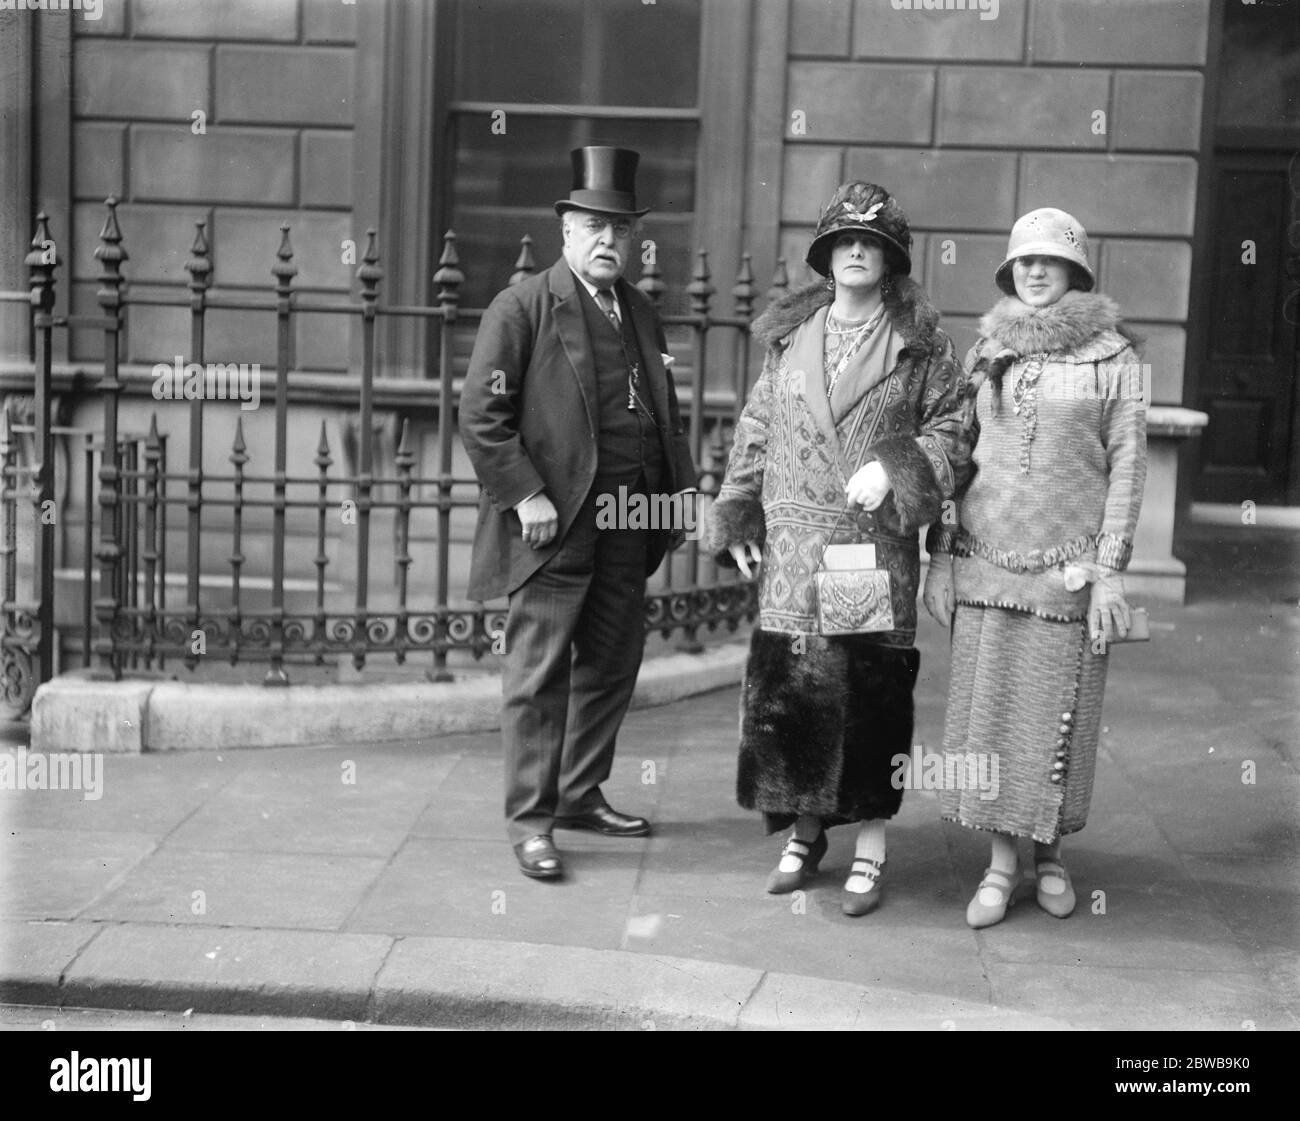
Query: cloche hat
(871, 209)
(1046, 232)
(604, 180)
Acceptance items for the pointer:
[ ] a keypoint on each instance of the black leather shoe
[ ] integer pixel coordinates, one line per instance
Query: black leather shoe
(539, 858)
(607, 821)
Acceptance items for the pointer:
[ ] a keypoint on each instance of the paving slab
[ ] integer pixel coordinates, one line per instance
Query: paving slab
(1138, 999)
(139, 794)
(1232, 818)
(339, 801)
(231, 970)
(473, 983)
(218, 888)
(59, 874)
(1150, 929)
(473, 889)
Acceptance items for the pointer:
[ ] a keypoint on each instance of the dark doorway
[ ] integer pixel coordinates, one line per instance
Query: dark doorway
(1251, 448)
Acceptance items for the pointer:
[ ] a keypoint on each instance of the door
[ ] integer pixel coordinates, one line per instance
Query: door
(1249, 450)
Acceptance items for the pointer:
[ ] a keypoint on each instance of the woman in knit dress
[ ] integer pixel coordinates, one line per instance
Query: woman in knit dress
(853, 431)
(1029, 577)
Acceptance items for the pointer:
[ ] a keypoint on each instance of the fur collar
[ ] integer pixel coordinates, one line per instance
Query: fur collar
(909, 309)
(1077, 321)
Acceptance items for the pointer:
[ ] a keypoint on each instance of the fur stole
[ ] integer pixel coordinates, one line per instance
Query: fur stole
(1084, 324)
(909, 309)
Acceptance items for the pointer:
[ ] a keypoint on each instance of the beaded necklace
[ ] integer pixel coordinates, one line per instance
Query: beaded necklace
(1024, 397)
(852, 335)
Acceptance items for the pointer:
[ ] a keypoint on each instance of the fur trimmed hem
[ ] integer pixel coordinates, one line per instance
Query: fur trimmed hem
(733, 521)
(917, 496)
(821, 722)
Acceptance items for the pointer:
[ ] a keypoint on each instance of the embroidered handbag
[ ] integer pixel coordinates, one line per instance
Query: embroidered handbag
(853, 595)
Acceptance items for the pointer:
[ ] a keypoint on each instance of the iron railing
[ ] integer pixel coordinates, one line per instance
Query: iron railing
(125, 617)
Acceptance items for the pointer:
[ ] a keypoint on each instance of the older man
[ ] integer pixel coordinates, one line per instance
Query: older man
(568, 398)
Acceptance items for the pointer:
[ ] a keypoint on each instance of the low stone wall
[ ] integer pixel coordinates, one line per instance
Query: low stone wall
(76, 712)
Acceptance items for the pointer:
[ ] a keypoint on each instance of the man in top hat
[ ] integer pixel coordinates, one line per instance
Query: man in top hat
(568, 398)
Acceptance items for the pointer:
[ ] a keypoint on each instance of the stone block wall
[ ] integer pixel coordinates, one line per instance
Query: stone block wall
(239, 114)
(1093, 106)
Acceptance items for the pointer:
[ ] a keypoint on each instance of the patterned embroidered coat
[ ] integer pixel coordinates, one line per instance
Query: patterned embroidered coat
(790, 460)
(1059, 435)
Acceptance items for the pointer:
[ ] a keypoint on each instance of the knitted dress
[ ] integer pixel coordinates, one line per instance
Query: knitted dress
(1060, 463)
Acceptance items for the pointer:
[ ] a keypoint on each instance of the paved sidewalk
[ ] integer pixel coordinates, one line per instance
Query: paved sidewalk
(263, 882)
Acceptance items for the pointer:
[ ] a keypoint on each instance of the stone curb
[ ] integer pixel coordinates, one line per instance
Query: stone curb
(77, 713)
(470, 984)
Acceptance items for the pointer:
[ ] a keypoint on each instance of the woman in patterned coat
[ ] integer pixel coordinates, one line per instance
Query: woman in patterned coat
(1045, 528)
(852, 431)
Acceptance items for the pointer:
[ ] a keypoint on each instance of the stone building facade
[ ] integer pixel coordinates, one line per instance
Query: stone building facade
(335, 117)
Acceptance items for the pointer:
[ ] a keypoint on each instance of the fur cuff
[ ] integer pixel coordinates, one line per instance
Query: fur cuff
(917, 496)
(733, 521)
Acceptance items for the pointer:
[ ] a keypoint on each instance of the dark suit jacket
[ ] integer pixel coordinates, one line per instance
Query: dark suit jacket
(529, 413)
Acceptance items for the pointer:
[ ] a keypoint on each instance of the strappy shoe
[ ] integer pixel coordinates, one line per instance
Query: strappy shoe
(1060, 904)
(863, 902)
(809, 855)
(1005, 884)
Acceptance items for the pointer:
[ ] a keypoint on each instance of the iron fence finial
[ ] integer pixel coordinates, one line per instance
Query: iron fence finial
(284, 270)
(323, 458)
(700, 289)
(41, 262)
(111, 256)
(199, 265)
(652, 281)
(369, 272)
(404, 457)
(780, 281)
(743, 292)
(449, 276)
(525, 266)
(239, 449)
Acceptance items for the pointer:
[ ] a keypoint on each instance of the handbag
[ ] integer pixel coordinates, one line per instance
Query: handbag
(1139, 630)
(853, 596)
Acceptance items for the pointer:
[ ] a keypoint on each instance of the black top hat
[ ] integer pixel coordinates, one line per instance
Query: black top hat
(604, 180)
(871, 209)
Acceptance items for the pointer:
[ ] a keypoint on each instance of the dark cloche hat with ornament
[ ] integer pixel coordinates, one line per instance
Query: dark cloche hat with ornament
(867, 208)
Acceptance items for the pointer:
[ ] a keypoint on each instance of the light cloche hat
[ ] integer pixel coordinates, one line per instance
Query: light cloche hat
(1046, 232)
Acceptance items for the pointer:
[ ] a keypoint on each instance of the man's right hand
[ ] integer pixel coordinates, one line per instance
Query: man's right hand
(539, 519)
(746, 554)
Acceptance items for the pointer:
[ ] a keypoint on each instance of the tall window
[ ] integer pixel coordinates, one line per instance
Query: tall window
(531, 81)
